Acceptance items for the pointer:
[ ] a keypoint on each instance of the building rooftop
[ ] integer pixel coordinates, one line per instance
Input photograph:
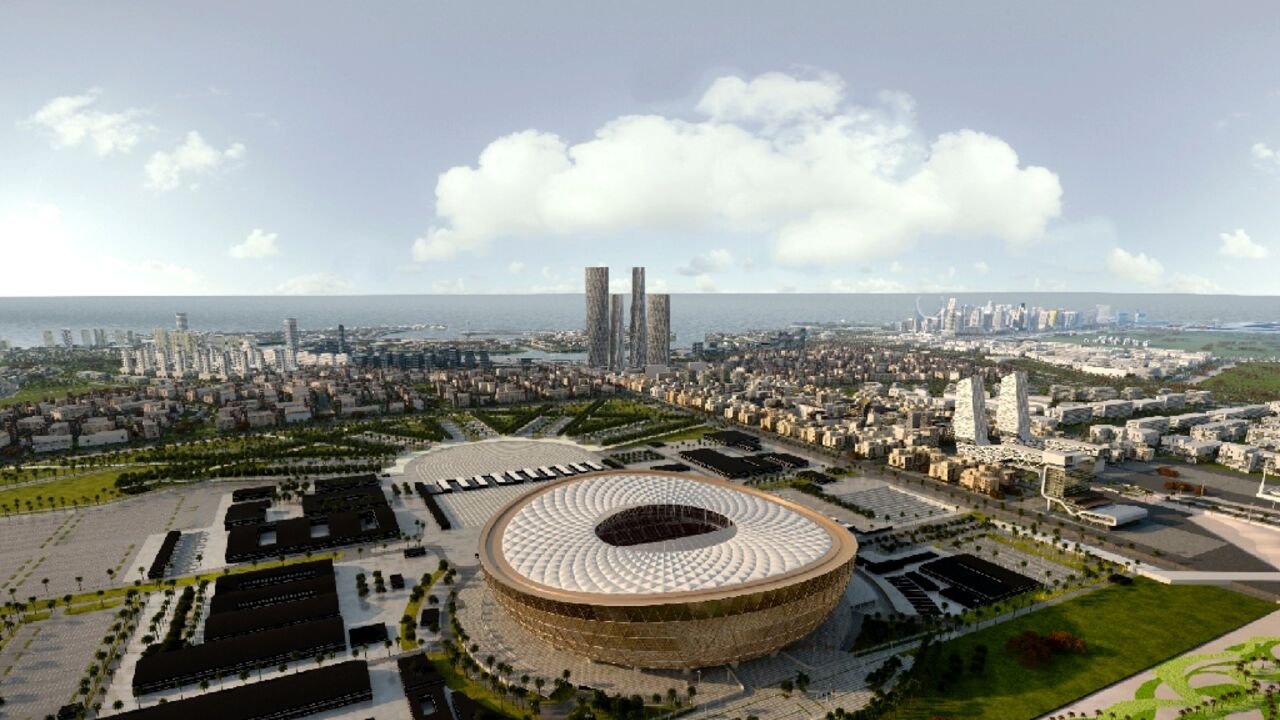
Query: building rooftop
(641, 533)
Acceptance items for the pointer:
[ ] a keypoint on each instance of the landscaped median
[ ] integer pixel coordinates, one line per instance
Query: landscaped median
(416, 598)
(1126, 629)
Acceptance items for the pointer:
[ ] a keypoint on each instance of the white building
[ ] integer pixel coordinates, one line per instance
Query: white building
(1013, 416)
(970, 420)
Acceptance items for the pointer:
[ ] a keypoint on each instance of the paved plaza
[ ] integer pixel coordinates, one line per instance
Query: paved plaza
(896, 506)
(473, 509)
(497, 455)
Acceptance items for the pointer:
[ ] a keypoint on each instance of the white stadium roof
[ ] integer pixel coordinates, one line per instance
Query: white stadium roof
(551, 540)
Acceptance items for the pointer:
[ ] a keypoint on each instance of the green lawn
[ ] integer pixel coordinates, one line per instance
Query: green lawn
(1128, 629)
(696, 432)
(54, 389)
(459, 682)
(1256, 382)
(1221, 343)
(83, 488)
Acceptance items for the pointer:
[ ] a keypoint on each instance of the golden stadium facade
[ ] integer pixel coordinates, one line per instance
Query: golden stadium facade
(661, 570)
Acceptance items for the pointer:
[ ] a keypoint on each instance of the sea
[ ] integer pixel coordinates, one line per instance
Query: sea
(23, 320)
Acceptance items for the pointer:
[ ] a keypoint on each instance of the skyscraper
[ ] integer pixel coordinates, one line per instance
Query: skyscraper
(342, 339)
(597, 280)
(1013, 415)
(969, 423)
(658, 345)
(638, 323)
(617, 339)
(180, 321)
(291, 343)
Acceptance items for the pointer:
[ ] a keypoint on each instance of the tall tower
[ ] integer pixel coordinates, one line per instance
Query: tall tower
(658, 345)
(180, 321)
(970, 419)
(1013, 416)
(597, 316)
(638, 323)
(342, 339)
(291, 343)
(617, 339)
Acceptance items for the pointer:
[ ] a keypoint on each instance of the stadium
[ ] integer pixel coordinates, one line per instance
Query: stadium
(665, 571)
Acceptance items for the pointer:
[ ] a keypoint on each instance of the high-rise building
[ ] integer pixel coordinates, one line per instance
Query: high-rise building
(597, 286)
(969, 423)
(86, 337)
(658, 332)
(1013, 415)
(617, 339)
(67, 340)
(291, 343)
(180, 321)
(48, 338)
(342, 339)
(639, 327)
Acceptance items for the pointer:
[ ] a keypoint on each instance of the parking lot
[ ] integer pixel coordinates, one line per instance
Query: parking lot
(85, 543)
(42, 665)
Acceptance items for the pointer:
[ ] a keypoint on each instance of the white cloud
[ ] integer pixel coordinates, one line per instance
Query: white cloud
(895, 267)
(771, 99)
(1238, 244)
(194, 157)
(711, 262)
(516, 267)
(320, 283)
(449, 287)
(780, 156)
(1264, 156)
(867, 285)
(259, 244)
(705, 284)
(1184, 283)
(981, 267)
(1135, 268)
(40, 235)
(72, 119)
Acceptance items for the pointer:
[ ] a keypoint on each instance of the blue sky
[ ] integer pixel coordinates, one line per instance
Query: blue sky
(315, 148)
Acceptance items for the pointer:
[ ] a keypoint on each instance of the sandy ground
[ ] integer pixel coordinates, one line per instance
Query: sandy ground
(1261, 542)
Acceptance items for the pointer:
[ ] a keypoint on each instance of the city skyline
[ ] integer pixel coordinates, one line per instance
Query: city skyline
(1069, 178)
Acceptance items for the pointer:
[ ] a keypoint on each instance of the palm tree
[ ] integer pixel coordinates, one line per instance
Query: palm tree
(79, 586)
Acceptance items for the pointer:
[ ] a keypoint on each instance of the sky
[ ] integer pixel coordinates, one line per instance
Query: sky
(160, 148)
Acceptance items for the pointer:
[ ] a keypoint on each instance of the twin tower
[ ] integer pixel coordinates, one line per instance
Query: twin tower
(1013, 415)
(646, 341)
